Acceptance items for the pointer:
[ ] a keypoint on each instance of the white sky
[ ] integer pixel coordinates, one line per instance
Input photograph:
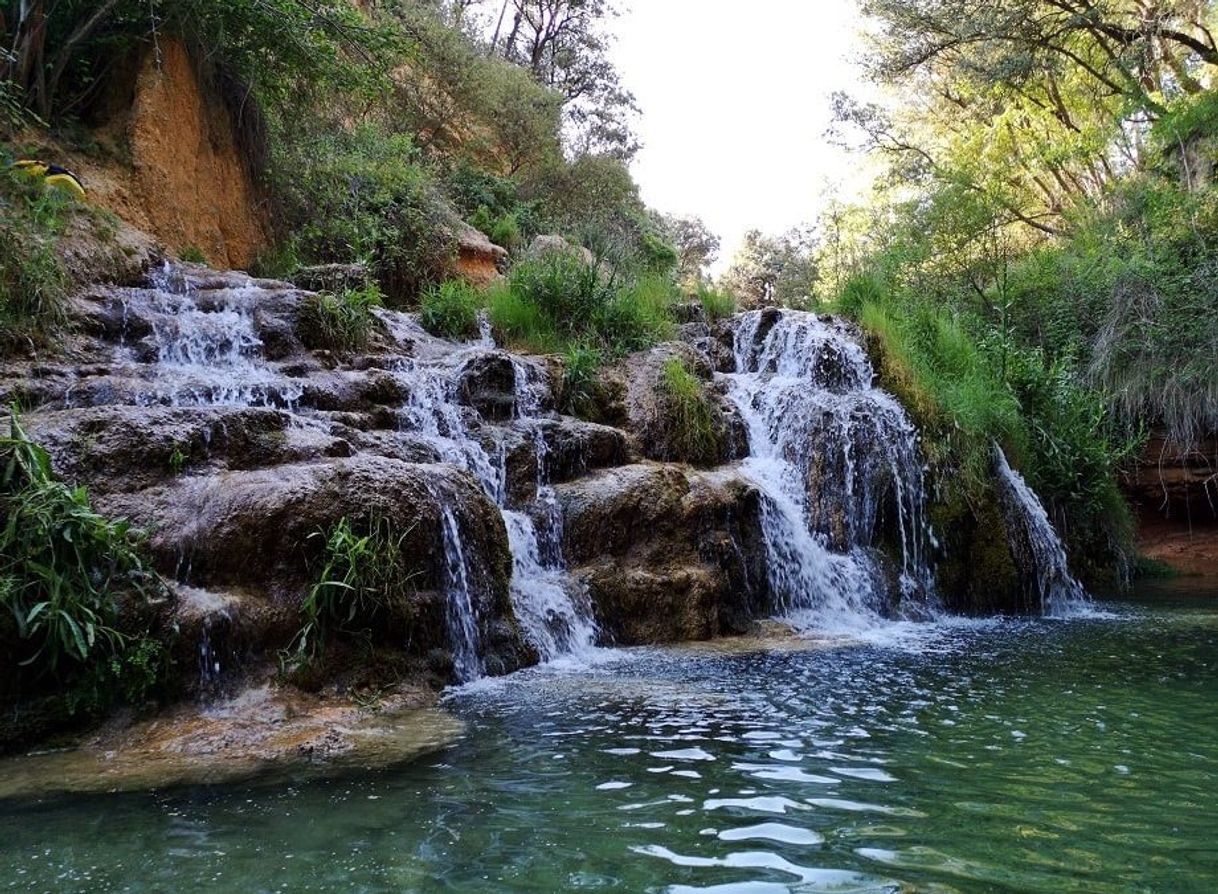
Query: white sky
(735, 103)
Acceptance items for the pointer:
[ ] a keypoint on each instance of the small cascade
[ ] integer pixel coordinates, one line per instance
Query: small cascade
(1037, 544)
(552, 620)
(208, 351)
(839, 468)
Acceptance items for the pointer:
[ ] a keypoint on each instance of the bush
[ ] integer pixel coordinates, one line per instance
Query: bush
(717, 304)
(341, 322)
(450, 310)
(63, 568)
(687, 416)
(366, 196)
(366, 575)
(33, 281)
(558, 301)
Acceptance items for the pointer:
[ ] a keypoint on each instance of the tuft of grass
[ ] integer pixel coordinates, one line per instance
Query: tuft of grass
(450, 310)
(365, 575)
(582, 391)
(717, 304)
(33, 280)
(687, 416)
(558, 302)
(63, 566)
(192, 254)
(338, 322)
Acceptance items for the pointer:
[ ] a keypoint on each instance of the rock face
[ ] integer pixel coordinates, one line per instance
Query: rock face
(478, 259)
(667, 554)
(638, 400)
(187, 185)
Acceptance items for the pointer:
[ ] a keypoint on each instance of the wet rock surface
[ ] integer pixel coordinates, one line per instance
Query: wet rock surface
(667, 554)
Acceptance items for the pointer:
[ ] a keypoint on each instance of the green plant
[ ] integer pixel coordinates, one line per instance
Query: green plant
(33, 280)
(341, 322)
(63, 567)
(177, 460)
(366, 574)
(192, 254)
(717, 304)
(691, 432)
(451, 309)
(581, 385)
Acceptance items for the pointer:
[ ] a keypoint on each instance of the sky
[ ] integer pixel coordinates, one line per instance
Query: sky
(735, 104)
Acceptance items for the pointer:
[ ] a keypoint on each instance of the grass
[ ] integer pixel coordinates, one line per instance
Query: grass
(62, 565)
(33, 280)
(558, 303)
(339, 322)
(717, 304)
(582, 391)
(365, 574)
(450, 310)
(692, 435)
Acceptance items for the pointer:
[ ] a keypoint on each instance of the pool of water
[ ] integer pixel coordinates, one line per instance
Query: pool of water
(1069, 756)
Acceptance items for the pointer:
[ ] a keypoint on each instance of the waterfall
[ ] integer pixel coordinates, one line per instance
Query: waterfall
(555, 620)
(839, 469)
(1036, 543)
(204, 348)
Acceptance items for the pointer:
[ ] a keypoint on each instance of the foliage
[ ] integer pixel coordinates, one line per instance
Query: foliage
(33, 280)
(65, 571)
(691, 432)
(582, 391)
(564, 45)
(366, 574)
(366, 196)
(717, 304)
(774, 270)
(695, 245)
(339, 322)
(451, 310)
(558, 301)
(192, 254)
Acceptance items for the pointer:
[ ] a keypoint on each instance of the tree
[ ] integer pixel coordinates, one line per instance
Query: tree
(564, 44)
(769, 270)
(697, 247)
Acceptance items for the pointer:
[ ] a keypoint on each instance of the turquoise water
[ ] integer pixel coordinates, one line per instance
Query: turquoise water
(1075, 756)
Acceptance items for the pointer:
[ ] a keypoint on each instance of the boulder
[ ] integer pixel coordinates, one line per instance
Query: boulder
(638, 401)
(667, 554)
(552, 243)
(478, 259)
(263, 530)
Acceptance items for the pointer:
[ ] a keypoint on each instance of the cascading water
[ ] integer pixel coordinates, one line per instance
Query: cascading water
(209, 353)
(202, 347)
(838, 466)
(554, 622)
(1032, 534)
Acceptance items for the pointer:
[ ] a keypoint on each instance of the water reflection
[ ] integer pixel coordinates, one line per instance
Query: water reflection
(1026, 756)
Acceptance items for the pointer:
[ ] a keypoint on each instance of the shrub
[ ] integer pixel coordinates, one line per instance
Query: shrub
(33, 280)
(582, 391)
(366, 574)
(63, 567)
(717, 304)
(367, 196)
(341, 322)
(450, 310)
(557, 301)
(192, 254)
(687, 417)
